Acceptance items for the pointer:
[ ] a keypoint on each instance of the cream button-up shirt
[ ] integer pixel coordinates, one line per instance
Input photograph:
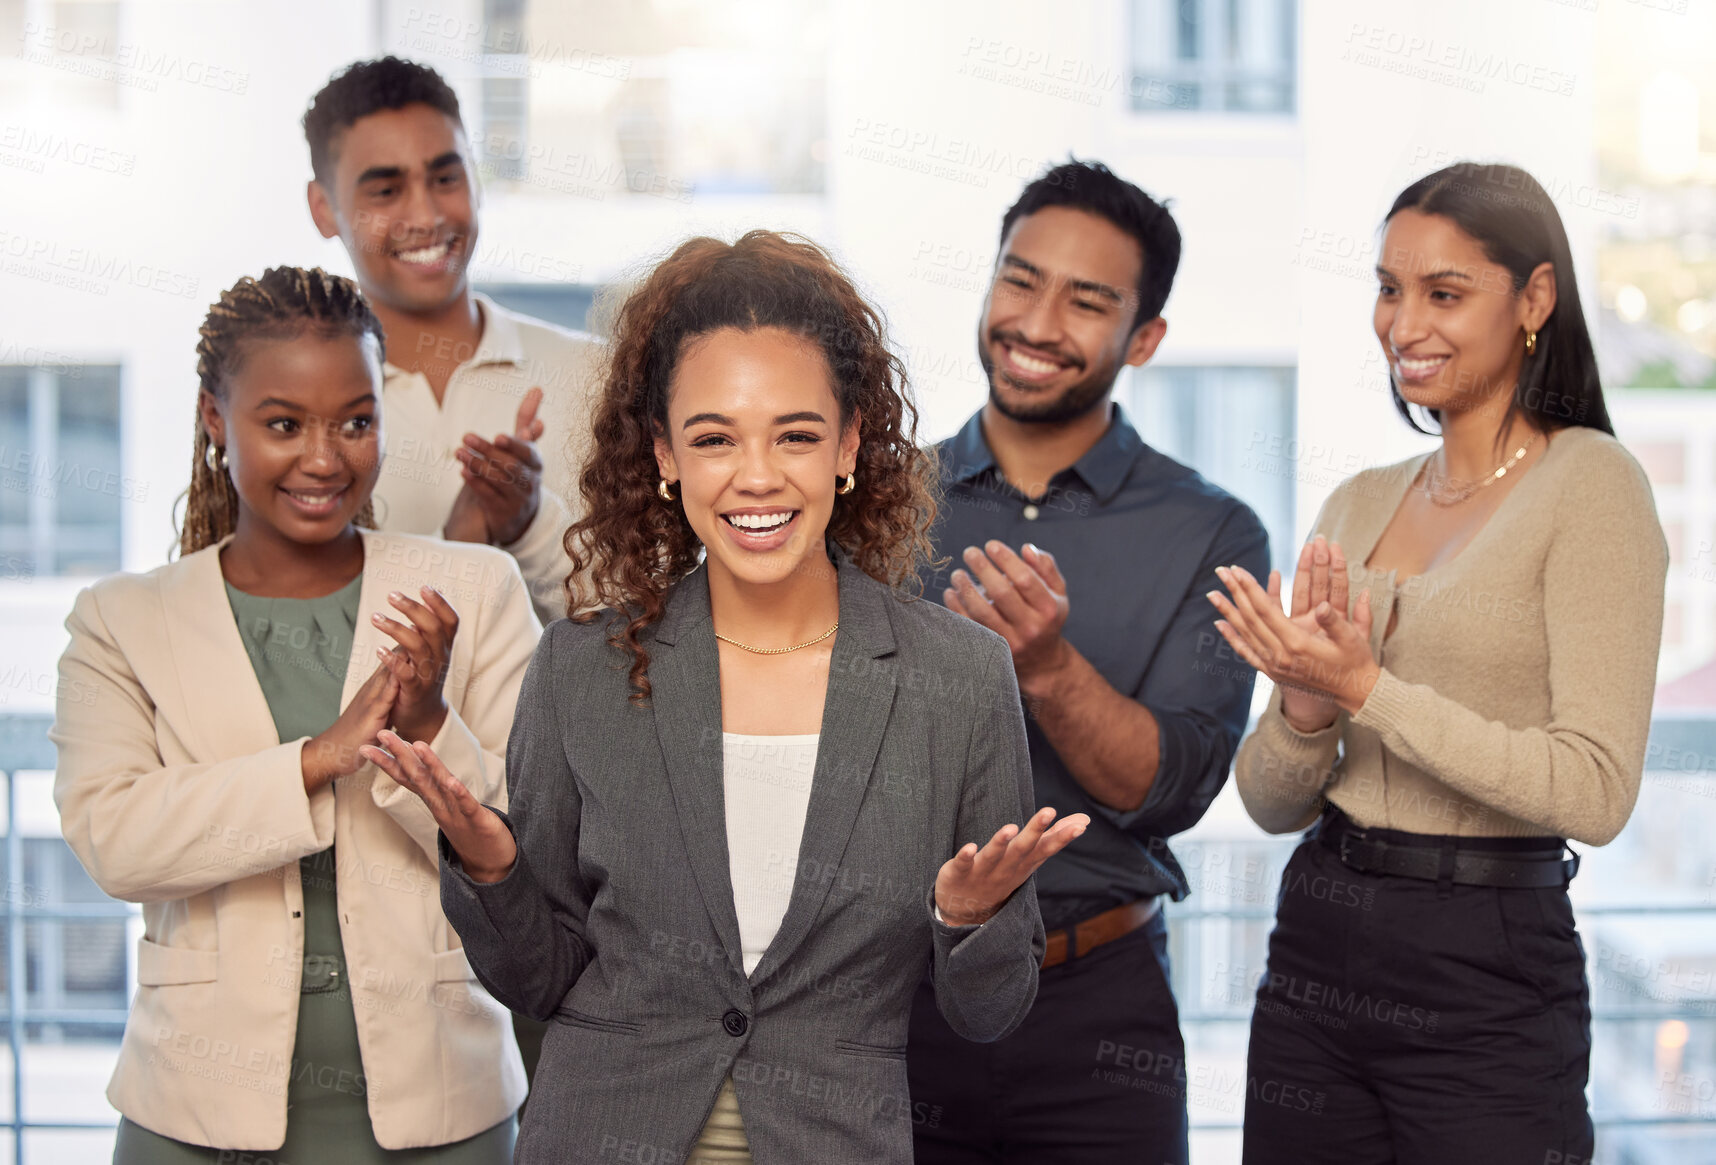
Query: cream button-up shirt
(420, 477)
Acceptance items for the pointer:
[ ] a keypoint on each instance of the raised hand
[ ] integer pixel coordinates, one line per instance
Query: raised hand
(466, 521)
(481, 839)
(1021, 597)
(336, 752)
(419, 661)
(974, 883)
(1321, 577)
(1319, 657)
(504, 476)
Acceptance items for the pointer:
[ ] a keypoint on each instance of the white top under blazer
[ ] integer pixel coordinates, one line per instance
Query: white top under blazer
(766, 781)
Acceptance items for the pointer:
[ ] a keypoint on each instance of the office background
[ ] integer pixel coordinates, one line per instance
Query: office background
(150, 154)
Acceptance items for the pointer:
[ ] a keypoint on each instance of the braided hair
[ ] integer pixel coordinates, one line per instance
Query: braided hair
(284, 303)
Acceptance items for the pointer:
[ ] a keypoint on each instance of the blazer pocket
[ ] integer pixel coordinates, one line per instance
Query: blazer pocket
(575, 1018)
(849, 1048)
(163, 966)
(452, 966)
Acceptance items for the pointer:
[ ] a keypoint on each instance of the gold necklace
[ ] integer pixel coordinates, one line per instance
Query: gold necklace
(1441, 497)
(780, 650)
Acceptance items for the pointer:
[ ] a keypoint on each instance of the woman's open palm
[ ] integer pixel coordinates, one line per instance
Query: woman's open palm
(974, 883)
(481, 839)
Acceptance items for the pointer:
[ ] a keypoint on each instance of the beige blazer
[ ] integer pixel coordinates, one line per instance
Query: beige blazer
(175, 791)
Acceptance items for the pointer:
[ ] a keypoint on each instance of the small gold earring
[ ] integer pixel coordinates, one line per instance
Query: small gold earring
(850, 484)
(662, 490)
(1530, 343)
(214, 456)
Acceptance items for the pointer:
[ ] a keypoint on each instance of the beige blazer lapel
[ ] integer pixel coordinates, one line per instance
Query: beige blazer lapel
(212, 666)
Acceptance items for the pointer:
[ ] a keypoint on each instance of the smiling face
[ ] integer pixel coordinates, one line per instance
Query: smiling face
(1058, 324)
(1450, 323)
(301, 427)
(755, 443)
(403, 200)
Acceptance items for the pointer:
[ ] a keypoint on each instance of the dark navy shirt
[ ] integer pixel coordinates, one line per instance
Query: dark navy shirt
(1137, 536)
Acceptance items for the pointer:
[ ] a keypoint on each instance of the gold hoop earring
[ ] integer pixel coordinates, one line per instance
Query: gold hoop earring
(214, 456)
(662, 490)
(1530, 343)
(850, 484)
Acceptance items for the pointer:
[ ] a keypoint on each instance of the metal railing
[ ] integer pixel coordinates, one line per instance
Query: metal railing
(24, 746)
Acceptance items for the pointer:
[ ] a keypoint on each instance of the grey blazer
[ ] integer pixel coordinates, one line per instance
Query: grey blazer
(617, 923)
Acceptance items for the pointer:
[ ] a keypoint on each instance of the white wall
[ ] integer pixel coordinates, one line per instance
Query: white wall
(1392, 90)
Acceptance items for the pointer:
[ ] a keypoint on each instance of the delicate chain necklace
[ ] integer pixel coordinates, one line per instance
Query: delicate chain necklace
(1441, 496)
(780, 650)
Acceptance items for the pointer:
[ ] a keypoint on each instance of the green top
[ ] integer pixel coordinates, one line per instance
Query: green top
(299, 649)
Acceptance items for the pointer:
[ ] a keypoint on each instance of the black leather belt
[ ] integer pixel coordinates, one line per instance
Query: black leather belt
(1521, 863)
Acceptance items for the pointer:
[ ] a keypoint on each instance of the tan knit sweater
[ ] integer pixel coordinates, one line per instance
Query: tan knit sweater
(1515, 692)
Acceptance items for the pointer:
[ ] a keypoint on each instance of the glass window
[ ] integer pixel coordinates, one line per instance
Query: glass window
(60, 482)
(605, 101)
(566, 304)
(1233, 425)
(1232, 56)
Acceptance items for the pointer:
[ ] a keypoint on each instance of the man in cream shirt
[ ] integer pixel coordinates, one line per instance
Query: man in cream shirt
(486, 412)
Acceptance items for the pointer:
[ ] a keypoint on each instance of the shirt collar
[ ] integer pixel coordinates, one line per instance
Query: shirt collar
(500, 343)
(1104, 468)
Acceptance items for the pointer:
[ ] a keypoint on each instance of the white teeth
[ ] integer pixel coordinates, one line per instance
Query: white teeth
(759, 521)
(1031, 363)
(315, 499)
(1424, 365)
(426, 255)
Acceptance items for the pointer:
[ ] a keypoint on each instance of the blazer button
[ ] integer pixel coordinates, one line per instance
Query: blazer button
(735, 1023)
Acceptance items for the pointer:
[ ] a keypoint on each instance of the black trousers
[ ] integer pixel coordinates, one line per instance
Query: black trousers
(1402, 1023)
(1096, 1075)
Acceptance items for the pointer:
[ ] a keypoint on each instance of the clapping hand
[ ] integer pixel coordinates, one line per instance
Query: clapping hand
(1317, 655)
(481, 839)
(336, 752)
(503, 481)
(419, 662)
(1022, 598)
(974, 883)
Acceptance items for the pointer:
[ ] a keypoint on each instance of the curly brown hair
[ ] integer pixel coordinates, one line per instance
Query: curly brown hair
(285, 302)
(630, 549)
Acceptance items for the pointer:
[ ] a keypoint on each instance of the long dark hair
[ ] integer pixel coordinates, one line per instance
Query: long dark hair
(1513, 219)
(286, 302)
(630, 549)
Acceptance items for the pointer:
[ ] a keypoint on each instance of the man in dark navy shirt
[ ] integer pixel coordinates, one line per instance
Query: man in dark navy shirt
(1091, 553)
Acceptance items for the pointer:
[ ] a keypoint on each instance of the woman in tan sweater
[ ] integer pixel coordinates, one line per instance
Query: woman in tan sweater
(1463, 682)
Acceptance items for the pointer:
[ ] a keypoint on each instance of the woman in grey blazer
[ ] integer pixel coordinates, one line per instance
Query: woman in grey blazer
(735, 782)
